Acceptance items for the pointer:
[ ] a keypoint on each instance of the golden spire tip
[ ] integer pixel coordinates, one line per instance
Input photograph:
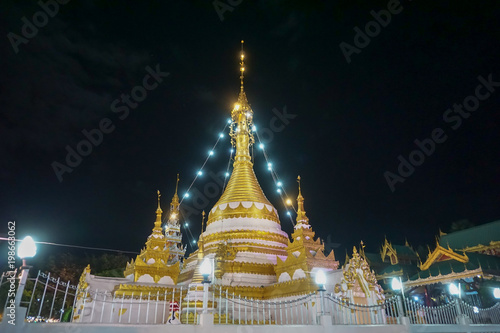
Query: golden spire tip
(177, 184)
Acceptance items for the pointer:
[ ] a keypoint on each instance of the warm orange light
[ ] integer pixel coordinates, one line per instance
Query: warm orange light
(289, 202)
(236, 106)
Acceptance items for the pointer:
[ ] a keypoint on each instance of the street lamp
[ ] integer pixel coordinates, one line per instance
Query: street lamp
(206, 271)
(397, 284)
(496, 293)
(454, 290)
(27, 249)
(321, 281)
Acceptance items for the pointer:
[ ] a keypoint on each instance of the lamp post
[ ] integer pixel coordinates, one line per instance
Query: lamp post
(321, 281)
(397, 284)
(496, 293)
(206, 271)
(27, 249)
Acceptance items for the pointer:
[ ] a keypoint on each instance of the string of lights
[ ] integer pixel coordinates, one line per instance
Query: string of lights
(280, 189)
(279, 185)
(75, 246)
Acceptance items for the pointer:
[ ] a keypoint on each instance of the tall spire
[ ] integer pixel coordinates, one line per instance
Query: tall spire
(158, 213)
(301, 213)
(174, 205)
(242, 65)
(243, 185)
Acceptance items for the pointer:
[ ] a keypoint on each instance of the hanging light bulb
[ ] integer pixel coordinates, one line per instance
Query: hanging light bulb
(261, 146)
(186, 195)
(280, 184)
(227, 174)
(221, 135)
(200, 173)
(289, 201)
(211, 153)
(288, 213)
(278, 190)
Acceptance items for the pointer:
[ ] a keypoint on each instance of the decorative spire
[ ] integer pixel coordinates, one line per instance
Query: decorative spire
(202, 220)
(301, 213)
(174, 205)
(243, 185)
(158, 213)
(242, 65)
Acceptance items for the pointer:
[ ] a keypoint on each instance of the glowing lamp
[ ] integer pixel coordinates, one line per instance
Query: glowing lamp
(496, 293)
(415, 298)
(27, 248)
(174, 215)
(396, 284)
(280, 184)
(475, 309)
(221, 135)
(320, 279)
(186, 195)
(289, 202)
(261, 146)
(194, 241)
(288, 213)
(227, 174)
(236, 106)
(229, 121)
(206, 269)
(278, 190)
(186, 224)
(254, 128)
(211, 153)
(200, 173)
(453, 289)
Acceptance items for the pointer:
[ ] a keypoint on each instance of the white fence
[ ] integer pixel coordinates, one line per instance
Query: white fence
(448, 314)
(51, 300)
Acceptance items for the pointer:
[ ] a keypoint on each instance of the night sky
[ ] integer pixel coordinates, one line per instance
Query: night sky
(348, 122)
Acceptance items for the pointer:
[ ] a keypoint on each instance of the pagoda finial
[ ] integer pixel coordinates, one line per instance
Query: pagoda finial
(174, 205)
(176, 185)
(157, 227)
(242, 65)
(158, 210)
(202, 220)
(301, 213)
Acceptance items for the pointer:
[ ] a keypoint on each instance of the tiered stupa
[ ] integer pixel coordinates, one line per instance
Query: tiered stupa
(243, 234)
(159, 261)
(252, 257)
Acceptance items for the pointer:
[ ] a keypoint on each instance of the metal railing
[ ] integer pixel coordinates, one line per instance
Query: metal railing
(49, 299)
(234, 309)
(347, 313)
(477, 315)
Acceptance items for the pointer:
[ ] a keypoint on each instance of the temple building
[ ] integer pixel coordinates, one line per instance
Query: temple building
(251, 255)
(470, 257)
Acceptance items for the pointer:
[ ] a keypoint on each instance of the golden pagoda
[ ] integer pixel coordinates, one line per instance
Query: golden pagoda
(243, 220)
(243, 235)
(155, 262)
(305, 254)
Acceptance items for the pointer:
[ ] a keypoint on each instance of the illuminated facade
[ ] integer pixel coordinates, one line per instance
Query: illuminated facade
(252, 256)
